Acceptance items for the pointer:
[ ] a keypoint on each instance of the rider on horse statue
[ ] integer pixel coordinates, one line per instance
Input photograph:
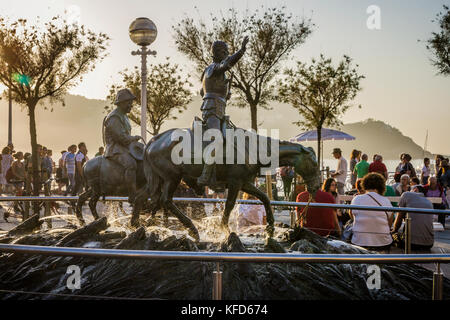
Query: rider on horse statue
(118, 139)
(215, 92)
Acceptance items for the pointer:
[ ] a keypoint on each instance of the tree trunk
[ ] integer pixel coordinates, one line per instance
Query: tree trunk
(319, 149)
(253, 116)
(34, 156)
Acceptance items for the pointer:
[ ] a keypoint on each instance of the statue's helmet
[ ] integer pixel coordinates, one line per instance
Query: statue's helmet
(124, 95)
(218, 46)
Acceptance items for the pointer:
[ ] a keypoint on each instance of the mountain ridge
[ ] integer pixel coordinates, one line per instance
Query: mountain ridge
(81, 120)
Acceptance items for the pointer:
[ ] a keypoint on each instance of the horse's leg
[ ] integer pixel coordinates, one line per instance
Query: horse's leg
(168, 189)
(139, 202)
(166, 217)
(122, 209)
(254, 191)
(233, 190)
(79, 207)
(93, 205)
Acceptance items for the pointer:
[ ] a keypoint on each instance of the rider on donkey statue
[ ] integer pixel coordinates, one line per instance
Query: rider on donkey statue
(215, 92)
(119, 142)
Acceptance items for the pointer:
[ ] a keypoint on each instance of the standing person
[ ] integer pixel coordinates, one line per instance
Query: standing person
(100, 152)
(47, 168)
(372, 229)
(422, 235)
(6, 163)
(362, 167)
(378, 166)
(437, 163)
(47, 164)
(61, 174)
(425, 171)
(18, 171)
(341, 171)
(355, 156)
(397, 174)
(407, 167)
(69, 164)
(80, 160)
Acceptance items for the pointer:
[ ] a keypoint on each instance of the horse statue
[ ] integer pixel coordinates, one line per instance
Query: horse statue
(163, 177)
(105, 177)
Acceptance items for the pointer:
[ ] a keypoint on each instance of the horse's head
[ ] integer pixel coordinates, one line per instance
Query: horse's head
(306, 166)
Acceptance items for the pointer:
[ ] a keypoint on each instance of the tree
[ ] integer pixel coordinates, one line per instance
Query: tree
(166, 92)
(439, 43)
(41, 63)
(321, 92)
(273, 35)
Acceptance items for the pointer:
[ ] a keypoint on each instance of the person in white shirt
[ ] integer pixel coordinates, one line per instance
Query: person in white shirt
(250, 214)
(341, 172)
(426, 170)
(372, 229)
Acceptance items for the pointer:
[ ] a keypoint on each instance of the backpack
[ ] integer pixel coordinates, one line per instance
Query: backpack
(9, 175)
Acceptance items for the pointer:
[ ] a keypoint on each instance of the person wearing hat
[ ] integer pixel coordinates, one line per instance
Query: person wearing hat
(118, 138)
(215, 92)
(341, 171)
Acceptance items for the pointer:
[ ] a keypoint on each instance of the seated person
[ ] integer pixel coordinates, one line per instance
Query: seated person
(422, 236)
(322, 221)
(403, 186)
(371, 229)
(250, 214)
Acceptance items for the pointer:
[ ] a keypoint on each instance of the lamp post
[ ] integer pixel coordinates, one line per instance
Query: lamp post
(9, 118)
(143, 32)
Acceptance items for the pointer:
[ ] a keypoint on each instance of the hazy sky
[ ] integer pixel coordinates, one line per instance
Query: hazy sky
(401, 87)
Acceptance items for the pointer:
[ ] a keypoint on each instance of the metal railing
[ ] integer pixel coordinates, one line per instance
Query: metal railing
(274, 203)
(408, 211)
(219, 257)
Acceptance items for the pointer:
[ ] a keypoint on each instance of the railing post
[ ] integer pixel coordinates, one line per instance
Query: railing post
(217, 283)
(292, 216)
(47, 213)
(437, 283)
(69, 210)
(408, 234)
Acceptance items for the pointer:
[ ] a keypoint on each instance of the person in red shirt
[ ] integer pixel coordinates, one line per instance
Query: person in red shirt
(378, 166)
(322, 221)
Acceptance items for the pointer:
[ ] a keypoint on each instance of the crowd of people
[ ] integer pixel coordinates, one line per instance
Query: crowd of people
(377, 230)
(16, 170)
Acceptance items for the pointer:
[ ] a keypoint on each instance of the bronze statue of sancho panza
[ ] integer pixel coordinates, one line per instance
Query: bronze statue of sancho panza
(120, 145)
(215, 92)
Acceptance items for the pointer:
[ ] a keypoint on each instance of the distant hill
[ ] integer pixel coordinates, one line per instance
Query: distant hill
(81, 120)
(373, 136)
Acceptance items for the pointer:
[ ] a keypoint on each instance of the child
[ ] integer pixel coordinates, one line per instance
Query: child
(425, 171)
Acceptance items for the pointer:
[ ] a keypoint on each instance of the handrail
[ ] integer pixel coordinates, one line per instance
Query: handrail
(226, 256)
(274, 203)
